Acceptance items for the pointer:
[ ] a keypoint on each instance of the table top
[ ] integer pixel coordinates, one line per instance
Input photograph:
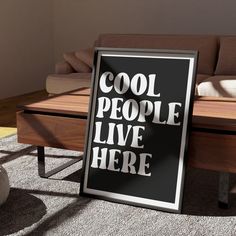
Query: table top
(214, 113)
(208, 112)
(70, 103)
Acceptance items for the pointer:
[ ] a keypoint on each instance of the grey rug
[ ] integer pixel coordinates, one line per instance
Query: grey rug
(53, 206)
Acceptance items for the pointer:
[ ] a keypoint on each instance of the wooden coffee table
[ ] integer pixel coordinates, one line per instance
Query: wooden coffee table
(60, 122)
(213, 140)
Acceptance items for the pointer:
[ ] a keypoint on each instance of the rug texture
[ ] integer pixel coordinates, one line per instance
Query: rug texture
(38, 206)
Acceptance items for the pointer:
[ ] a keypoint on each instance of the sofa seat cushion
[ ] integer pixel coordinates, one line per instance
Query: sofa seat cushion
(201, 77)
(60, 83)
(219, 86)
(205, 45)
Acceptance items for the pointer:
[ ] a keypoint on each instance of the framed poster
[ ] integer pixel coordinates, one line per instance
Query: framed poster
(140, 109)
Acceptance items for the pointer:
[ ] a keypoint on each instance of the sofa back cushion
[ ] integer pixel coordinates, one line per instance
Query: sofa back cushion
(226, 64)
(76, 63)
(205, 45)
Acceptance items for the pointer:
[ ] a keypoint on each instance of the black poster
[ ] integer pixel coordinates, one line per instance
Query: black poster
(140, 107)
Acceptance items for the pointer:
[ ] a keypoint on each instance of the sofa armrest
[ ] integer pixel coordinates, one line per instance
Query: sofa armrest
(63, 68)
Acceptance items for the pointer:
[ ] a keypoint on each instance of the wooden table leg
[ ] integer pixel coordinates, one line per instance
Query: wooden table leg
(223, 195)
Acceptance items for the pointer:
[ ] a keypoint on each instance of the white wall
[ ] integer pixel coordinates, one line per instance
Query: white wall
(35, 33)
(26, 45)
(78, 22)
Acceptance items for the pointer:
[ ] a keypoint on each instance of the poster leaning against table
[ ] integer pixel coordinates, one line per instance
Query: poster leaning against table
(138, 126)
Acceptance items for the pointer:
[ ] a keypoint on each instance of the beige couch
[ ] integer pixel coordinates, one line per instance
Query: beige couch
(216, 73)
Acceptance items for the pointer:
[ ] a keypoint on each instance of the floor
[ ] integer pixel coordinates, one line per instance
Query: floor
(8, 108)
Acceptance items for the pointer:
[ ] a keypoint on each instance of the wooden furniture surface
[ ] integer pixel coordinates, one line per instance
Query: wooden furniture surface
(215, 113)
(73, 103)
(60, 121)
(208, 112)
(212, 143)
